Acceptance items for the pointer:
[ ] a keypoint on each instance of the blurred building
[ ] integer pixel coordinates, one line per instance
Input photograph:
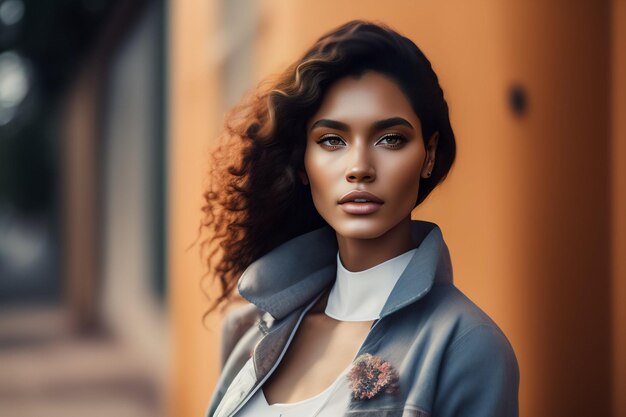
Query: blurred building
(83, 318)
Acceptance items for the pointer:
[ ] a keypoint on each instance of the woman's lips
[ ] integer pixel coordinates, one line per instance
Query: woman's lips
(360, 202)
(360, 195)
(360, 208)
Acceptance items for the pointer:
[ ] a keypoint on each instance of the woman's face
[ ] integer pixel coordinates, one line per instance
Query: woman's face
(365, 137)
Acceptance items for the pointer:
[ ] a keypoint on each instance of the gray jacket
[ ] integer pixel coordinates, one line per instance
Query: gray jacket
(451, 358)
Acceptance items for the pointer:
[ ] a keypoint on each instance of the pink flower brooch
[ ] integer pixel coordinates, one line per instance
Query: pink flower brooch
(370, 375)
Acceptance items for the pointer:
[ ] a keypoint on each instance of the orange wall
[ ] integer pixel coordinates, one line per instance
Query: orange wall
(564, 179)
(193, 121)
(619, 206)
(527, 208)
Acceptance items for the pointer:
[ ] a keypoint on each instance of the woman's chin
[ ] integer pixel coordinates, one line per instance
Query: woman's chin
(361, 227)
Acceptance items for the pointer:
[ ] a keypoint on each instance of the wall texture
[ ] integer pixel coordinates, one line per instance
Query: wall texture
(618, 227)
(193, 120)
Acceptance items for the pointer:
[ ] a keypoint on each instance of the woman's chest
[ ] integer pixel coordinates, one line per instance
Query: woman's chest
(322, 348)
(298, 357)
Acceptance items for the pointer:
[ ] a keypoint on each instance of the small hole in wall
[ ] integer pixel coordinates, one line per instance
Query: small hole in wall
(518, 100)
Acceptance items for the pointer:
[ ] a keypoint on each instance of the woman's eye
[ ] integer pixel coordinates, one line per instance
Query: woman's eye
(394, 141)
(331, 141)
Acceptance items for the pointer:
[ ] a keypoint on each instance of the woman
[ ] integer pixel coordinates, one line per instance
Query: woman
(359, 313)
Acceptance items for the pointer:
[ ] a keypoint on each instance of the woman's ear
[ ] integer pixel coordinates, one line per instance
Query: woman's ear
(431, 150)
(303, 177)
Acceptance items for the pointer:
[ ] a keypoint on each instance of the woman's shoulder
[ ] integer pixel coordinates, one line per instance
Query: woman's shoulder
(447, 310)
(452, 303)
(467, 355)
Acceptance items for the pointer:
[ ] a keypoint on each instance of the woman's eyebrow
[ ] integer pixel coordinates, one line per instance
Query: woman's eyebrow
(392, 121)
(379, 125)
(333, 124)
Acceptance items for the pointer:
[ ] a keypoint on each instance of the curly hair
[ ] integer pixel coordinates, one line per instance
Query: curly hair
(255, 201)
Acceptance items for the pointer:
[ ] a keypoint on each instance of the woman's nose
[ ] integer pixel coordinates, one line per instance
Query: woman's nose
(360, 169)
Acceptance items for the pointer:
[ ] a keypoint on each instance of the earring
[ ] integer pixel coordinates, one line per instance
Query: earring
(428, 174)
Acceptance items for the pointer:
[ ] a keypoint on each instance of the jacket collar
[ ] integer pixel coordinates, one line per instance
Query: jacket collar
(292, 274)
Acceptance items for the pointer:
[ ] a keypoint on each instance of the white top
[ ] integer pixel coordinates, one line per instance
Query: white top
(361, 295)
(355, 296)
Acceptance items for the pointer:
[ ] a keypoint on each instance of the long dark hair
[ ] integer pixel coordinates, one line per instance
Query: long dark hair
(255, 201)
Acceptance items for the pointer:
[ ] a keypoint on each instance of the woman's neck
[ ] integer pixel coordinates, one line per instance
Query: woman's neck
(361, 254)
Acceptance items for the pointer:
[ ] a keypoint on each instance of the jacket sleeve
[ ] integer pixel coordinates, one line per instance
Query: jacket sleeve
(479, 376)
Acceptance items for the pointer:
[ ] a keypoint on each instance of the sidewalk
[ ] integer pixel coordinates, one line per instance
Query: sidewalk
(46, 371)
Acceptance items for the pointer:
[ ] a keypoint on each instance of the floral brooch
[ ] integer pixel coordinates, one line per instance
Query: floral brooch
(371, 375)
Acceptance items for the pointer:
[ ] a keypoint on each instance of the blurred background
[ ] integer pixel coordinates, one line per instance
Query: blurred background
(108, 110)
(83, 314)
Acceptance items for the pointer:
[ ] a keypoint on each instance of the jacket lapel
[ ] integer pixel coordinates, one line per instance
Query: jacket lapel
(265, 356)
(268, 349)
(287, 277)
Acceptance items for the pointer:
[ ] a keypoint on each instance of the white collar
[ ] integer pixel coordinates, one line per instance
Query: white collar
(361, 295)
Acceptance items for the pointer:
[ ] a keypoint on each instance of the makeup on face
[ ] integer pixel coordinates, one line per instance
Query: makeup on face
(364, 155)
